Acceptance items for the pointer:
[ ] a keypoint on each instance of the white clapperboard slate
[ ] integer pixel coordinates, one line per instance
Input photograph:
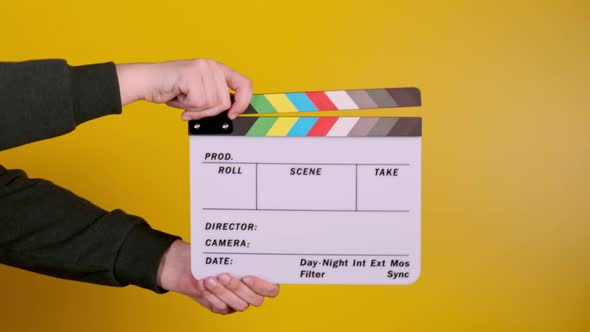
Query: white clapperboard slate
(308, 200)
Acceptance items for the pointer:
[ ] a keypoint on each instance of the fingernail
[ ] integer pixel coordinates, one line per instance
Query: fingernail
(232, 116)
(186, 117)
(248, 281)
(224, 279)
(211, 282)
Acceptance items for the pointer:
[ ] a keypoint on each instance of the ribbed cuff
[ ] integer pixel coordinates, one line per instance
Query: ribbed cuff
(140, 255)
(95, 91)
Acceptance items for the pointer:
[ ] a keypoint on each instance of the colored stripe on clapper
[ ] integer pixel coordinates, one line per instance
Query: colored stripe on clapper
(342, 126)
(335, 100)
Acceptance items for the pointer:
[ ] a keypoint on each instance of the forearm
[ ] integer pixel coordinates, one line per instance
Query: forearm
(49, 230)
(154, 82)
(133, 81)
(47, 98)
(172, 266)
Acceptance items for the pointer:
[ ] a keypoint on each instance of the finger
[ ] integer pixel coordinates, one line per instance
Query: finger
(230, 299)
(243, 91)
(182, 104)
(234, 285)
(261, 286)
(176, 103)
(214, 303)
(198, 114)
(201, 95)
(209, 86)
(223, 95)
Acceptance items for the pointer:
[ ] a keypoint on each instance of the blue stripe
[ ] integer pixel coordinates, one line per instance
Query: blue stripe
(302, 127)
(301, 102)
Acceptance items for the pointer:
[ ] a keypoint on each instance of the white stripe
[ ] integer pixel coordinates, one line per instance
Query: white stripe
(342, 126)
(342, 100)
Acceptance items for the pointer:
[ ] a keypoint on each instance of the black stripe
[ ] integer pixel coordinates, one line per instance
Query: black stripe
(242, 125)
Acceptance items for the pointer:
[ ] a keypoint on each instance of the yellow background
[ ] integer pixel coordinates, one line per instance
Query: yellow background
(506, 150)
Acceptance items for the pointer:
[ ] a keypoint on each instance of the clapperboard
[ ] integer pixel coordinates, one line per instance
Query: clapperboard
(309, 199)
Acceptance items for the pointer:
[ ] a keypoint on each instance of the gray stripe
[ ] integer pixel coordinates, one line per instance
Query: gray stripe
(407, 127)
(363, 127)
(382, 98)
(362, 99)
(406, 96)
(383, 127)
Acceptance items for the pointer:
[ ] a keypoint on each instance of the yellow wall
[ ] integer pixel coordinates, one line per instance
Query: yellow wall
(505, 88)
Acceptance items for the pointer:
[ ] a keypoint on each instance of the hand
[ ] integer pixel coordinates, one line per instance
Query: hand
(200, 87)
(223, 294)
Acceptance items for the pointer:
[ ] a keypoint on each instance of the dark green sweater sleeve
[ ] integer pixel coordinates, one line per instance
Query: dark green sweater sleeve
(48, 229)
(47, 98)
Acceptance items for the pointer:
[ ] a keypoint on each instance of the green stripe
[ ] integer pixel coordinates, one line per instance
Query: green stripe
(261, 104)
(261, 126)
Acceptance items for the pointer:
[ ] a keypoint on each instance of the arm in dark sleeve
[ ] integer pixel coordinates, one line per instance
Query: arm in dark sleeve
(46, 98)
(49, 230)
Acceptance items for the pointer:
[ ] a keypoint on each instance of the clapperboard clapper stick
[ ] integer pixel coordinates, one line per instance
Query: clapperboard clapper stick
(306, 199)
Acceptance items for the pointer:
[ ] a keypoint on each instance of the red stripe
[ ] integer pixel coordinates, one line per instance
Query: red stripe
(321, 101)
(322, 126)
